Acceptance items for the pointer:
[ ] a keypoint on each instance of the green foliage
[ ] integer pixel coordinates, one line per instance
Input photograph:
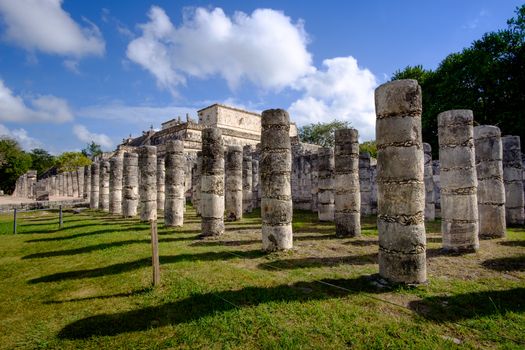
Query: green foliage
(14, 162)
(41, 160)
(69, 161)
(322, 134)
(92, 150)
(370, 147)
(487, 77)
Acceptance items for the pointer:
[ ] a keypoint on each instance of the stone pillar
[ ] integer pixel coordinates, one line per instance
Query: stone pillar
(276, 168)
(175, 192)
(347, 195)
(61, 185)
(95, 183)
(130, 185)
(430, 206)
(315, 183)
(247, 194)
(234, 188)
(87, 182)
(325, 204)
(80, 176)
(54, 185)
(365, 183)
(512, 177)
(255, 182)
(437, 187)
(148, 183)
(103, 201)
(459, 203)
(161, 178)
(69, 178)
(212, 183)
(116, 164)
(196, 190)
(491, 190)
(400, 182)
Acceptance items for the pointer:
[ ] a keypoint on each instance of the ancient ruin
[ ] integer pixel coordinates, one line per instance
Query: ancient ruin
(116, 164)
(103, 202)
(161, 178)
(247, 180)
(513, 179)
(325, 192)
(130, 184)
(174, 184)
(233, 184)
(430, 206)
(148, 183)
(95, 183)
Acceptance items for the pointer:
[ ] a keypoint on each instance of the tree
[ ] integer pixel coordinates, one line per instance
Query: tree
(41, 160)
(14, 162)
(370, 147)
(69, 161)
(92, 150)
(322, 134)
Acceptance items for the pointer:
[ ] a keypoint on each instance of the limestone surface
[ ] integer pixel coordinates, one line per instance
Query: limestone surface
(103, 202)
(87, 182)
(365, 183)
(430, 206)
(95, 183)
(161, 178)
(175, 197)
(326, 200)
(116, 165)
(148, 183)
(513, 179)
(130, 184)
(234, 188)
(247, 179)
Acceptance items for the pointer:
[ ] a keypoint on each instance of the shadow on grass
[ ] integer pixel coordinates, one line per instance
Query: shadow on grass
(513, 243)
(299, 237)
(364, 243)
(224, 243)
(290, 264)
(137, 264)
(102, 297)
(201, 305)
(84, 234)
(470, 305)
(510, 263)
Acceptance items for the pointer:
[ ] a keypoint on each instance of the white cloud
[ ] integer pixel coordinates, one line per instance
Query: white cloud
(84, 135)
(266, 48)
(45, 108)
(42, 25)
(341, 91)
(27, 142)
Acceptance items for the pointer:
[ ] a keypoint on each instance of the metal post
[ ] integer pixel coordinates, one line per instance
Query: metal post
(60, 223)
(155, 253)
(14, 221)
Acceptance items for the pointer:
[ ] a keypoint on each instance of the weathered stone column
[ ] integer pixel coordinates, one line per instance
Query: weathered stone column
(54, 185)
(175, 175)
(87, 182)
(148, 182)
(247, 178)
(315, 183)
(95, 183)
(116, 164)
(326, 206)
(69, 179)
(459, 203)
(234, 188)
(255, 182)
(365, 183)
(212, 183)
(430, 206)
(276, 168)
(491, 190)
(512, 177)
(161, 178)
(347, 194)
(400, 182)
(103, 201)
(80, 176)
(196, 190)
(130, 185)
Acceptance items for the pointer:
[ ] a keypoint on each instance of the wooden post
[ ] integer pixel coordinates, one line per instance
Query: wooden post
(60, 223)
(14, 221)
(155, 253)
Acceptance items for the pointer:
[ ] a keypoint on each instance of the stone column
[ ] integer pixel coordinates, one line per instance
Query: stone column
(161, 178)
(103, 201)
(175, 175)
(255, 182)
(212, 183)
(430, 206)
(69, 178)
(80, 176)
(315, 183)
(234, 188)
(326, 206)
(196, 190)
(276, 168)
(116, 164)
(87, 182)
(148, 183)
(365, 183)
(459, 203)
(130, 185)
(54, 185)
(512, 177)
(95, 183)
(491, 190)
(400, 182)
(247, 194)
(347, 195)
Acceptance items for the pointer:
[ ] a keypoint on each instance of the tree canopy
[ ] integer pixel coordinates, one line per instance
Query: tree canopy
(322, 134)
(69, 161)
(41, 160)
(14, 162)
(92, 150)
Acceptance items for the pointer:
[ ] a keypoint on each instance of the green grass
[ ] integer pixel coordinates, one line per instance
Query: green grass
(88, 286)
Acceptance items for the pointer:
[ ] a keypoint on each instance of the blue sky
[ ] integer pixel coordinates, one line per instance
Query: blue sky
(75, 71)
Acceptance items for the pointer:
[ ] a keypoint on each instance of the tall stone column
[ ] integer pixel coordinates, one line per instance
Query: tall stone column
(255, 182)
(196, 190)
(326, 206)
(234, 188)
(491, 190)
(74, 181)
(63, 191)
(276, 168)
(512, 177)
(400, 182)
(103, 201)
(161, 178)
(212, 183)
(247, 194)
(95, 183)
(80, 176)
(116, 164)
(130, 185)
(69, 178)
(87, 182)
(347, 194)
(315, 183)
(365, 183)
(54, 185)
(459, 203)
(430, 206)
(148, 182)
(175, 192)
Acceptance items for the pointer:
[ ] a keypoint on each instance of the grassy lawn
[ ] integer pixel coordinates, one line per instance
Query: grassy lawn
(88, 286)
